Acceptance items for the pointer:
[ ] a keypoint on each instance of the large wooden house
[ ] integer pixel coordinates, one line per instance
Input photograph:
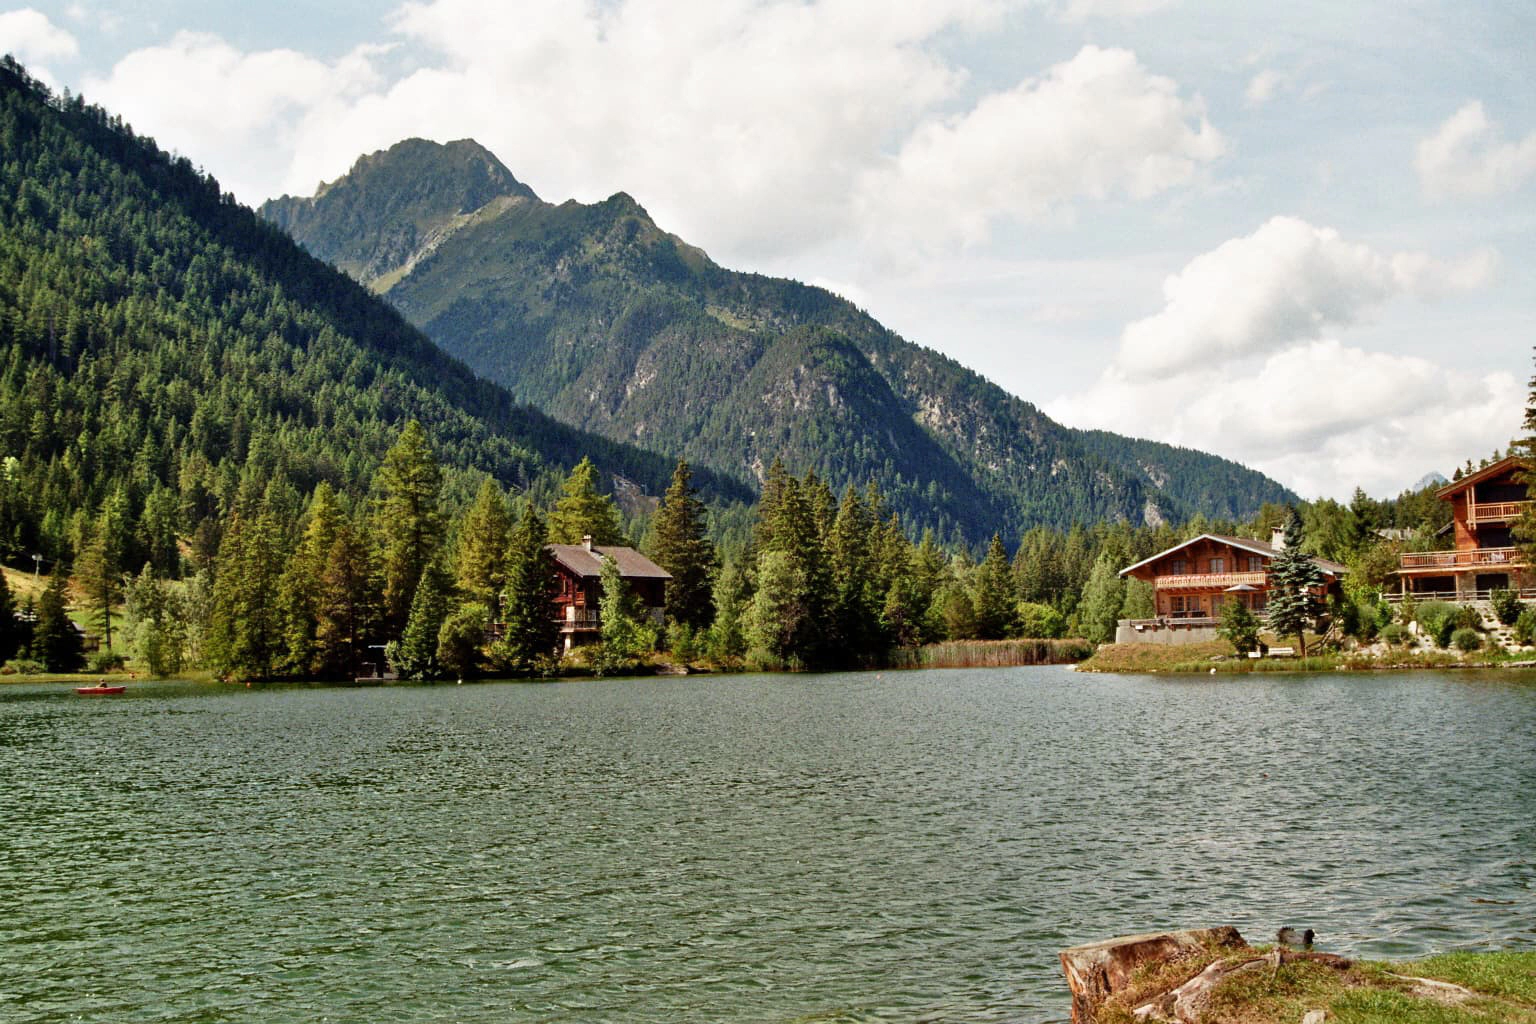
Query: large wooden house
(1193, 580)
(1484, 507)
(578, 588)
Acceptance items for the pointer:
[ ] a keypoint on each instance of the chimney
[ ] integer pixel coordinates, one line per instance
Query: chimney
(1277, 538)
(586, 541)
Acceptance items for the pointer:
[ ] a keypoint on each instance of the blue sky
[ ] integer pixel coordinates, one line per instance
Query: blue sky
(1301, 238)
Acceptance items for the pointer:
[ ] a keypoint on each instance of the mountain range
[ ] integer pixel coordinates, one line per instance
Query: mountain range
(599, 317)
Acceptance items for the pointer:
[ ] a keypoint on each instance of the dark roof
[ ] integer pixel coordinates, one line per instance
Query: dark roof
(1499, 468)
(588, 562)
(1258, 547)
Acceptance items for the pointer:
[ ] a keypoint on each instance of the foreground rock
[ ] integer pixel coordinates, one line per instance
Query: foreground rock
(1099, 970)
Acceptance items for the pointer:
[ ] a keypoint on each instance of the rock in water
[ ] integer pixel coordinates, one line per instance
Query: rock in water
(1098, 970)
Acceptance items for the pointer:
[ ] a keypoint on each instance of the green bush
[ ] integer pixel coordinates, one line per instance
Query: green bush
(106, 661)
(1039, 621)
(1466, 640)
(1525, 627)
(1439, 619)
(1392, 633)
(1506, 605)
(23, 667)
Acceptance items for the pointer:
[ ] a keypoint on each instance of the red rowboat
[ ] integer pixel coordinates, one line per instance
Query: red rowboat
(99, 690)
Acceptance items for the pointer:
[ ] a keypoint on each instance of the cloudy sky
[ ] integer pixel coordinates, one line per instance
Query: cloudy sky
(1303, 238)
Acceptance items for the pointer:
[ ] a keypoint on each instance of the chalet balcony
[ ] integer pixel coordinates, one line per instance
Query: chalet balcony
(1507, 558)
(1209, 580)
(1496, 512)
(573, 618)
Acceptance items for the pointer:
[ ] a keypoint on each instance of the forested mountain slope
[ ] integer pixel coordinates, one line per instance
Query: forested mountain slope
(163, 349)
(604, 320)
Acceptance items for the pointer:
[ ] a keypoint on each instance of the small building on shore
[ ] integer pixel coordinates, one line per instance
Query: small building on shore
(578, 587)
(1193, 580)
(1484, 508)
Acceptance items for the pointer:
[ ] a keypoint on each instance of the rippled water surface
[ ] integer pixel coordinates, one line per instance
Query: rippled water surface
(903, 847)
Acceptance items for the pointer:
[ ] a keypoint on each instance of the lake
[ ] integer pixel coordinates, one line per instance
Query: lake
(861, 847)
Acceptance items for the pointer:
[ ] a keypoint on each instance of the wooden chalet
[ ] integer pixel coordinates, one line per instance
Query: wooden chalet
(1484, 507)
(578, 588)
(1193, 580)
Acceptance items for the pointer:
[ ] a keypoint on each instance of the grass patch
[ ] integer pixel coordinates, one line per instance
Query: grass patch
(1504, 987)
(991, 653)
(1158, 657)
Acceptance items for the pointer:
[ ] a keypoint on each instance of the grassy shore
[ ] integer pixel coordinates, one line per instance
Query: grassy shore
(1481, 988)
(991, 653)
(1219, 656)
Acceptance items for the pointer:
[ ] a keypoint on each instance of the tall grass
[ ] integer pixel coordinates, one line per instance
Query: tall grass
(991, 653)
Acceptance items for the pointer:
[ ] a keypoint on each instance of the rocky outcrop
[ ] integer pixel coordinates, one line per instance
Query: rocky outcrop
(1099, 970)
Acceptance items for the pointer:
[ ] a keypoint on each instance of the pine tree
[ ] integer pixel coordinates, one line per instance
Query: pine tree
(301, 583)
(1295, 585)
(460, 640)
(55, 641)
(99, 574)
(1103, 598)
(994, 598)
(10, 626)
(245, 631)
(584, 511)
(683, 548)
(480, 560)
(727, 641)
(414, 655)
(529, 631)
(854, 575)
(624, 639)
(409, 522)
(348, 606)
(156, 622)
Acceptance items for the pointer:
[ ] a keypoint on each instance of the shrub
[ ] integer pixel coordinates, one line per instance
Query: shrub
(1439, 619)
(1040, 621)
(1384, 615)
(1525, 627)
(1506, 605)
(683, 642)
(24, 667)
(1467, 640)
(1392, 633)
(106, 661)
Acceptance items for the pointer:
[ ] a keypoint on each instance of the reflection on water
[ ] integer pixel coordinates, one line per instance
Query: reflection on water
(908, 846)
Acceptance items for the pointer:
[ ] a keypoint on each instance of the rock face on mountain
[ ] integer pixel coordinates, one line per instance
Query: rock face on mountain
(604, 320)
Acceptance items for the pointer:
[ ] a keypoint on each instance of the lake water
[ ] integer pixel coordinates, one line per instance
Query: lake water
(871, 847)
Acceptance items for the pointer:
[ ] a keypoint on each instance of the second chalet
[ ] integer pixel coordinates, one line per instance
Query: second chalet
(1484, 508)
(1191, 581)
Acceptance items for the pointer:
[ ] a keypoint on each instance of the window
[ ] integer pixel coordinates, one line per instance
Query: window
(1255, 563)
(1178, 567)
(1218, 565)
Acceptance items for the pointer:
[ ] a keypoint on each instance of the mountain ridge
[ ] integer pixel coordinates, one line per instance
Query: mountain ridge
(597, 315)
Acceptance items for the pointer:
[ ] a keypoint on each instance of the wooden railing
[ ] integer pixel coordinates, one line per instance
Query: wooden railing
(579, 618)
(1461, 559)
(1208, 580)
(1496, 511)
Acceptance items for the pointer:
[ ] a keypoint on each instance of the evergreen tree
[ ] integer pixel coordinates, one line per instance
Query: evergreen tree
(348, 606)
(98, 572)
(1295, 584)
(55, 641)
(994, 598)
(414, 655)
(775, 622)
(727, 641)
(460, 640)
(855, 577)
(480, 560)
(1239, 626)
(584, 511)
(1103, 598)
(529, 632)
(624, 638)
(409, 523)
(245, 632)
(1140, 600)
(683, 548)
(156, 623)
(10, 626)
(302, 580)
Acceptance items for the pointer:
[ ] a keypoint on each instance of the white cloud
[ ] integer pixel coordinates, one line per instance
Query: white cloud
(1095, 126)
(32, 38)
(754, 127)
(233, 112)
(1263, 86)
(1082, 10)
(1287, 281)
(1466, 157)
(1322, 416)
